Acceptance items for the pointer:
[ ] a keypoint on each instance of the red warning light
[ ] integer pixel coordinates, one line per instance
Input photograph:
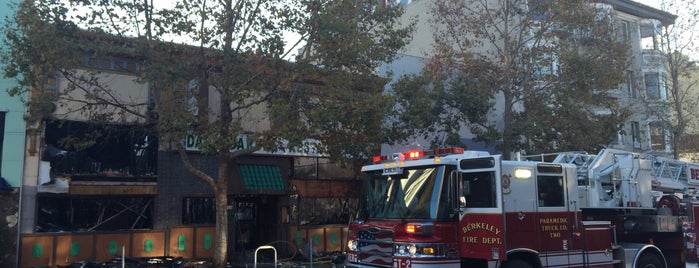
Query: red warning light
(415, 154)
(454, 150)
(380, 158)
(413, 228)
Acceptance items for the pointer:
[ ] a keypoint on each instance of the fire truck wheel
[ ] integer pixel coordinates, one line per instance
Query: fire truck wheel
(649, 260)
(516, 263)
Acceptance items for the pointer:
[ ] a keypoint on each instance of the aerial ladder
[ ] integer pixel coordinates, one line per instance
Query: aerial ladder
(617, 178)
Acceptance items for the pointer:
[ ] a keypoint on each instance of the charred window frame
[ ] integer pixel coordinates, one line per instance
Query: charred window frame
(124, 150)
(59, 213)
(198, 210)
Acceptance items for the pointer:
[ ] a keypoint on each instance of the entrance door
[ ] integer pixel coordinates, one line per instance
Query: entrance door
(244, 218)
(555, 220)
(482, 232)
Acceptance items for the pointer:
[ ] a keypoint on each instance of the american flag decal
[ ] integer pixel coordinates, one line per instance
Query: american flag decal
(375, 246)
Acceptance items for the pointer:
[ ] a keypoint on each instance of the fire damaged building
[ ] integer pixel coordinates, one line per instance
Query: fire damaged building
(107, 186)
(96, 189)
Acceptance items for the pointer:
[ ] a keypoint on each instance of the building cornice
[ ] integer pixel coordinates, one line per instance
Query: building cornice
(641, 10)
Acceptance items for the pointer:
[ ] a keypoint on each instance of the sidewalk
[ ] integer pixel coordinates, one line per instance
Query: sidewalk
(267, 261)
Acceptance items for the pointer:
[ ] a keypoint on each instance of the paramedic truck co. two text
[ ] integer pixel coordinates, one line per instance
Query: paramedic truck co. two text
(456, 208)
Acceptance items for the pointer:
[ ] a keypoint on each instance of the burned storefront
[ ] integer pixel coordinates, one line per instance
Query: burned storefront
(106, 184)
(283, 199)
(257, 185)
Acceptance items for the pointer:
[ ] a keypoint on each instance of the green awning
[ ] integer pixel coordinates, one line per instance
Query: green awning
(262, 177)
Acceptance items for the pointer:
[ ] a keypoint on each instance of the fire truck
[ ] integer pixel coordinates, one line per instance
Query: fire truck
(456, 208)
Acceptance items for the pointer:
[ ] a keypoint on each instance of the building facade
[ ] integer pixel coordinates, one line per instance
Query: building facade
(128, 190)
(12, 125)
(644, 92)
(12, 133)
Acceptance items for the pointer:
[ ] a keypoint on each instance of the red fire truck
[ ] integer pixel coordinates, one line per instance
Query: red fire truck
(456, 208)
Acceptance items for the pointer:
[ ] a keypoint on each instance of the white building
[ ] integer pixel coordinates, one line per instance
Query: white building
(644, 92)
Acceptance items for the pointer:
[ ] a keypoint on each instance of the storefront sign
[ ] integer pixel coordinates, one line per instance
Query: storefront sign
(309, 147)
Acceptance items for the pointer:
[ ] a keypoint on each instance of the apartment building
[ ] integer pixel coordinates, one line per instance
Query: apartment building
(644, 92)
(12, 131)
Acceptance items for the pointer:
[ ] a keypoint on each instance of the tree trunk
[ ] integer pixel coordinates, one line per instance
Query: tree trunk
(507, 139)
(221, 228)
(221, 192)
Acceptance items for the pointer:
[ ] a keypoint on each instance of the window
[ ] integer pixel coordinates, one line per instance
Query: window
(113, 64)
(51, 81)
(538, 10)
(654, 86)
(98, 63)
(59, 213)
(545, 65)
(550, 191)
(630, 79)
(620, 137)
(407, 195)
(479, 189)
(657, 136)
(650, 36)
(624, 30)
(636, 135)
(198, 210)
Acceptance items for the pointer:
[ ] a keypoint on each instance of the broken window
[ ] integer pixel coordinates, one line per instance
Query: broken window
(198, 210)
(59, 213)
(74, 147)
(326, 210)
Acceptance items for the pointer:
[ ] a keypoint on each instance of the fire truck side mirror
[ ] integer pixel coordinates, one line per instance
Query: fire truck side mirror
(456, 197)
(465, 196)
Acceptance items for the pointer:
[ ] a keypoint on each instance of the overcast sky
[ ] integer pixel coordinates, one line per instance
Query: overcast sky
(652, 3)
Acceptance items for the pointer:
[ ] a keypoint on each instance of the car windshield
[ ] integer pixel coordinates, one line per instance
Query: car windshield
(410, 195)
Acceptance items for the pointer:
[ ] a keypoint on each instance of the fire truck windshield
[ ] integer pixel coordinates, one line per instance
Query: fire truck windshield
(410, 195)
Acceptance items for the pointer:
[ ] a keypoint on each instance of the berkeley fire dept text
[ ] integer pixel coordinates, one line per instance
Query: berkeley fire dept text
(481, 226)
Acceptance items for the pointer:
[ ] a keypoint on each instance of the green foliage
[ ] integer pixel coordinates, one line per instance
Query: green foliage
(517, 75)
(216, 70)
(236, 54)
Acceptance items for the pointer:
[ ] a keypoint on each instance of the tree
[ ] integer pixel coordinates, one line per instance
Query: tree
(520, 76)
(678, 43)
(235, 58)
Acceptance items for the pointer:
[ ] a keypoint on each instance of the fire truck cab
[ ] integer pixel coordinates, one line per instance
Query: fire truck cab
(456, 208)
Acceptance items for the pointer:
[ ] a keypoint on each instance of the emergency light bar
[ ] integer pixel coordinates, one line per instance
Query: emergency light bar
(417, 154)
(380, 158)
(426, 228)
(453, 150)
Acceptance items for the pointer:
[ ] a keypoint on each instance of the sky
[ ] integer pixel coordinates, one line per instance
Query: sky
(652, 3)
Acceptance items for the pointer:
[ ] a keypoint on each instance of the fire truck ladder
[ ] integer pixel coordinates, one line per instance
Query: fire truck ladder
(669, 169)
(581, 159)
